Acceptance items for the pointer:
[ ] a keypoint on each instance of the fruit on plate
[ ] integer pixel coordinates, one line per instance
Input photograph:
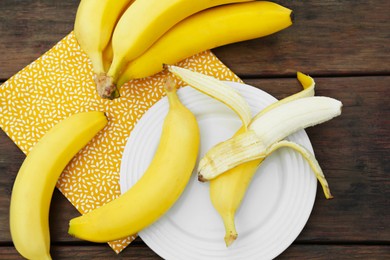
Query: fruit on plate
(265, 134)
(158, 189)
(230, 165)
(37, 177)
(228, 189)
(140, 26)
(209, 29)
(94, 24)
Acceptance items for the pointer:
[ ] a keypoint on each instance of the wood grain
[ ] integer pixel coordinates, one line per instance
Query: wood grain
(29, 28)
(328, 38)
(138, 252)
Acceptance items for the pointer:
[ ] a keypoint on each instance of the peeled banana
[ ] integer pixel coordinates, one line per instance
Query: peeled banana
(208, 29)
(94, 24)
(157, 190)
(140, 26)
(266, 133)
(228, 189)
(37, 177)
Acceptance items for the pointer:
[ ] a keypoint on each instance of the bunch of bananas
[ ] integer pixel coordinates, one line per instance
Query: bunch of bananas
(127, 39)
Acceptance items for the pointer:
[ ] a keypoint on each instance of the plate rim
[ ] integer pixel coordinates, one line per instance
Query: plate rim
(123, 179)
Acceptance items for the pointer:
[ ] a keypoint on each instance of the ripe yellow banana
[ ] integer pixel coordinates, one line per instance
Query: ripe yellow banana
(94, 24)
(208, 29)
(228, 189)
(159, 187)
(140, 26)
(37, 177)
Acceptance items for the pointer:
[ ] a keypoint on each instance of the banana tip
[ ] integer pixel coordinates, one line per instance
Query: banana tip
(170, 84)
(292, 16)
(230, 239)
(201, 178)
(329, 196)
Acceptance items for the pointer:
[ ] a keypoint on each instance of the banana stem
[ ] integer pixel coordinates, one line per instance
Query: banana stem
(230, 227)
(105, 86)
(170, 89)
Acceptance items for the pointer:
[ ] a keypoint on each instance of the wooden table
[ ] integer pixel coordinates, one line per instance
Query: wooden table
(344, 45)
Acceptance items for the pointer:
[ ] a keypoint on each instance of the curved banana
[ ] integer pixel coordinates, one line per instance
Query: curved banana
(209, 29)
(94, 24)
(228, 189)
(159, 187)
(37, 177)
(140, 26)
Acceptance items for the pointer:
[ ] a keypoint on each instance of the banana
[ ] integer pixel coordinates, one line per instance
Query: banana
(265, 134)
(230, 165)
(159, 187)
(228, 189)
(94, 24)
(140, 26)
(107, 56)
(37, 177)
(209, 29)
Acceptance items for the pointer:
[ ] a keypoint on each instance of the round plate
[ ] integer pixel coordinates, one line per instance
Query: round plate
(273, 213)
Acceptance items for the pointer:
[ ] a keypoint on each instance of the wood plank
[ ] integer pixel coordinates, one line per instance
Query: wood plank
(328, 38)
(136, 252)
(344, 252)
(29, 28)
(351, 149)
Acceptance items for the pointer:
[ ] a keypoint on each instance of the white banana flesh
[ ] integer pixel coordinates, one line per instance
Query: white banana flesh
(271, 127)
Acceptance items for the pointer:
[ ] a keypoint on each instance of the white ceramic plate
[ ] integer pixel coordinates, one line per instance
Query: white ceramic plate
(273, 213)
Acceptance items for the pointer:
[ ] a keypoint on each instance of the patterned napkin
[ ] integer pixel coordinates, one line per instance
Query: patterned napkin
(59, 84)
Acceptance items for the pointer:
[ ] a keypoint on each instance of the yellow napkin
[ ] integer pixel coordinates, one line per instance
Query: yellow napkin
(59, 84)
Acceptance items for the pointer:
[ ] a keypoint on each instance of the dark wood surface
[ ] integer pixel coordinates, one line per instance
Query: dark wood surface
(345, 45)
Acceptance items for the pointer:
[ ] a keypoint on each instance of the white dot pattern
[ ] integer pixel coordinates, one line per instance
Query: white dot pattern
(59, 84)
